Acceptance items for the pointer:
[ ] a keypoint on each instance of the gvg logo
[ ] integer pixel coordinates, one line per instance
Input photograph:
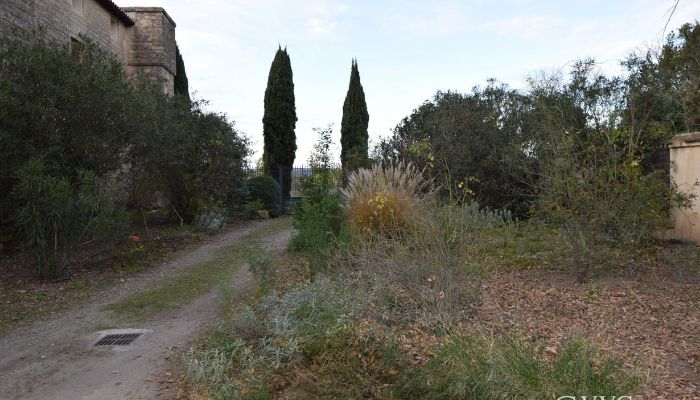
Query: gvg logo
(594, 398)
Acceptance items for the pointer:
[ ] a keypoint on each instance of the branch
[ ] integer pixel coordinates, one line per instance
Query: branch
(672, 11)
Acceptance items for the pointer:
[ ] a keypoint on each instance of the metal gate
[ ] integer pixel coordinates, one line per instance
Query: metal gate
(290, 182)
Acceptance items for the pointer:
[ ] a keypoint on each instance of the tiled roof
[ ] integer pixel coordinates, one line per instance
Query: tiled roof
(117, 12)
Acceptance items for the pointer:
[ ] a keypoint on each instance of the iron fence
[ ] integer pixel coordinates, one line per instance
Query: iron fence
(290, 181)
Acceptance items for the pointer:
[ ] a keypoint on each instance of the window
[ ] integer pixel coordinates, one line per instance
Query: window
(115, 30)
(78, 6)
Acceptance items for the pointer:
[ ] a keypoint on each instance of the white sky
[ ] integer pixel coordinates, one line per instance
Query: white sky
(406, 50)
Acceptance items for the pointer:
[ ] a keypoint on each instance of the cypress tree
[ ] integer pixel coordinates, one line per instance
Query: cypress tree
(279, 121)
(182, 86)
(353, 129)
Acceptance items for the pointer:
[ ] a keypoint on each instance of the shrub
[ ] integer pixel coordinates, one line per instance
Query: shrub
(601, 199)
(193, 156)
(505, 368)
(54, 214)
(75, 113)
(80, 110)
(265, 189)
(384, 199)
(319, 216)
(318, 224)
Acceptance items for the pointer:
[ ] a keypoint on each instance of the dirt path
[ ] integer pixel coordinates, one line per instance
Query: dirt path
(55, 359)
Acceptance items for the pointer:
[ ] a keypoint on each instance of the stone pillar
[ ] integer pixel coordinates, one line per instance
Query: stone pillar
(151, 46)
(685, 172)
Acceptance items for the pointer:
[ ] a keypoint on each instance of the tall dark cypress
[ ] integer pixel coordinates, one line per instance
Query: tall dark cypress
(182, 86)
(279, 121)
(353, 129)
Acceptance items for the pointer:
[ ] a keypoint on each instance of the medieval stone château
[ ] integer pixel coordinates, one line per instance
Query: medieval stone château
(142, 37)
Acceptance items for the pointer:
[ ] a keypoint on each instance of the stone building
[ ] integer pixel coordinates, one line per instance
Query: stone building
(143, 38)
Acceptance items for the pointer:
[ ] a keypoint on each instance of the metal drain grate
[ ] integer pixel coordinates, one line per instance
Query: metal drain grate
(121, 339)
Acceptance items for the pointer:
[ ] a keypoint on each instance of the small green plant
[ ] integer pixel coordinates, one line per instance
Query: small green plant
(266, 190)
(77, 285)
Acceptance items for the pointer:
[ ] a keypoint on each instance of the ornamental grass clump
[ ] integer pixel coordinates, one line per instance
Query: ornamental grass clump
(385, 199)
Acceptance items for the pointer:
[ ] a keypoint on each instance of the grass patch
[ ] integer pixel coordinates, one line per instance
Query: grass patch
(507, 368)
(198, 279)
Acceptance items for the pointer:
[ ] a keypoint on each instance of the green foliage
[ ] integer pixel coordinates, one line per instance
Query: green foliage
(473, 137)
(55, 214)
(318, 224)
(663, 99)
(78, 111)
(279, 120)
(590, 179)
(318, 217)
(314, 326)
(193, 156)
(353, 131)
(74, 111)
(266, 190)
(576, 151)
(182, 86)
(324, 175)
(499, 140)
(469, 368)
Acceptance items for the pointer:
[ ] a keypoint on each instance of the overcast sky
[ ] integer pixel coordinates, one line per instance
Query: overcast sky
(406, 50)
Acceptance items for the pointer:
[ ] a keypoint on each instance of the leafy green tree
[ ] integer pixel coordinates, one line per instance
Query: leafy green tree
(193, 156)
(76, 112)
(353, 130)
(663, 90)
(182, 86)
(279, 121)
(468, 143)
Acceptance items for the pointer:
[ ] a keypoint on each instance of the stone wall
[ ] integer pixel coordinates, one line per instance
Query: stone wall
(62, 22)
(151, 49)
(17, 14)
(147, 47)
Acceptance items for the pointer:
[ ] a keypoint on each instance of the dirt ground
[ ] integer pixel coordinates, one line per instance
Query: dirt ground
(652, 323)
(55, 359)
(25, 298)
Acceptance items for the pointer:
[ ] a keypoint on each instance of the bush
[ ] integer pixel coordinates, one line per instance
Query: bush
(266, 190)
(74, 112)
(384, 199)
(318, 224)
(54, 214)
(193, 156)
(319, 216)
(97, 133)
(484, 368)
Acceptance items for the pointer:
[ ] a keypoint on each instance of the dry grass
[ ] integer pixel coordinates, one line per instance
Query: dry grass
(384, 199)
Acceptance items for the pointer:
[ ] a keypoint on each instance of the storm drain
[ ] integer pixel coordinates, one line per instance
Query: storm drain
(120, 339)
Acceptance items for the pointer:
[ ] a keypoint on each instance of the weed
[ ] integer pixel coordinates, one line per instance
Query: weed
(507, 368)
(77, 285)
